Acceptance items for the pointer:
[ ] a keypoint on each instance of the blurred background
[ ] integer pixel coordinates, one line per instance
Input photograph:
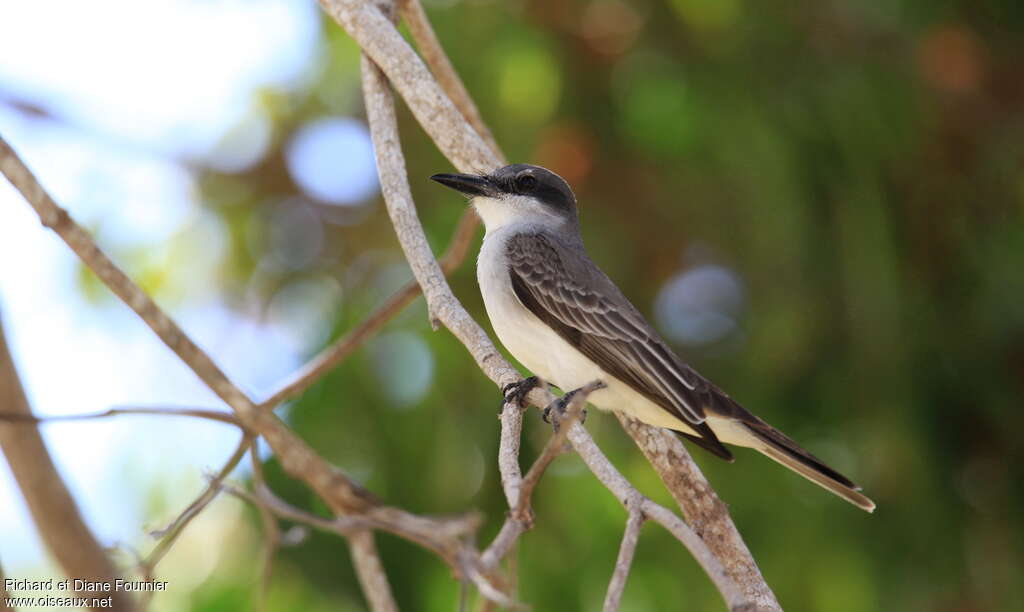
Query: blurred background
(826, 202)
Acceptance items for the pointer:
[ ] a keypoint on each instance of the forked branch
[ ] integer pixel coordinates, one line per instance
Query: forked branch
(443, 306)
(461, 135)
(341, 494)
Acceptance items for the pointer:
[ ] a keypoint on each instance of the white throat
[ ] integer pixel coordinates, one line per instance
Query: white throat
(514, 210)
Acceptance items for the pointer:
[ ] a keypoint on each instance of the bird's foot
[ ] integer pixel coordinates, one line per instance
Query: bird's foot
(555, 412)
(515, 393)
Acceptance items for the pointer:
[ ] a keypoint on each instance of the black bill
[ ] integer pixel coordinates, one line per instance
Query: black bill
(469, 184)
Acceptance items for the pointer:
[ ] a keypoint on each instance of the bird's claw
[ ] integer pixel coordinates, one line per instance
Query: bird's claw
(515, 393)
(555, 411)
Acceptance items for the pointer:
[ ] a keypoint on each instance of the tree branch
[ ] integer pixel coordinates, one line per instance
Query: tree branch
(199, 413)
(347, 344)
(53, 509)
(448, 124)
(521, 509)
(701, 507)
(425, 531)
(339, 492)
(169, 535)
(435, 112)
(433, 54)
(615, 482)
(519, 488)
(370, 572)
(458, 246)
(508, 452)
(624, 561)
(443, 305)
(271, 531)
(300, 461)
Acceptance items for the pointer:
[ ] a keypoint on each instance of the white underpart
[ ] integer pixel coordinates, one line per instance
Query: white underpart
(540, 348)
(516, 210)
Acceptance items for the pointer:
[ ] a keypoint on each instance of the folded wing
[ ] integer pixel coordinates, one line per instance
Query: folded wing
(597, 320)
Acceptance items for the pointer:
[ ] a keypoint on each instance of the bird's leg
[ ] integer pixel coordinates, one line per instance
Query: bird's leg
(515, 393)
(555, 411)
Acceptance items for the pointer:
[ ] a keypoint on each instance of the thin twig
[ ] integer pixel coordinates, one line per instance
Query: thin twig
(489, 591)
(442, 535)
(350, 342)
(458, 555)
(271, 531)
(370, 572)
(354, 528)
(519, 489)
(502, 543)
(343, 347)
(437, 60)
(552, 449)
(343, 525)
(449, 527)
(627, 549)
(615, 482)
(199, 413)
(170, 534)
(338, 491)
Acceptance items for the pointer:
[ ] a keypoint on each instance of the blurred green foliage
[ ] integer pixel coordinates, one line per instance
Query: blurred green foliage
(859, 166)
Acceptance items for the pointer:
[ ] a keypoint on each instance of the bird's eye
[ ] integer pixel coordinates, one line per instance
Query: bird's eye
(526, 182)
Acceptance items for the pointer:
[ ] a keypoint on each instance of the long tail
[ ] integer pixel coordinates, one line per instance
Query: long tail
(776, 445)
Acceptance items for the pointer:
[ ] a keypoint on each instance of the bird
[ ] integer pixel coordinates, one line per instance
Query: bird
(561, 316)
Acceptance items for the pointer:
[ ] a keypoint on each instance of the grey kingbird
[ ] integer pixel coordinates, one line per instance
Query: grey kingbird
(565, 320)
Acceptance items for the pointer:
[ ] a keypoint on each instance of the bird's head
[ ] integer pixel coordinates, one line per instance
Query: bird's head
(516, 194)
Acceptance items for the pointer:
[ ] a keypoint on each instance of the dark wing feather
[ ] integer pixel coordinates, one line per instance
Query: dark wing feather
(571, 295)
